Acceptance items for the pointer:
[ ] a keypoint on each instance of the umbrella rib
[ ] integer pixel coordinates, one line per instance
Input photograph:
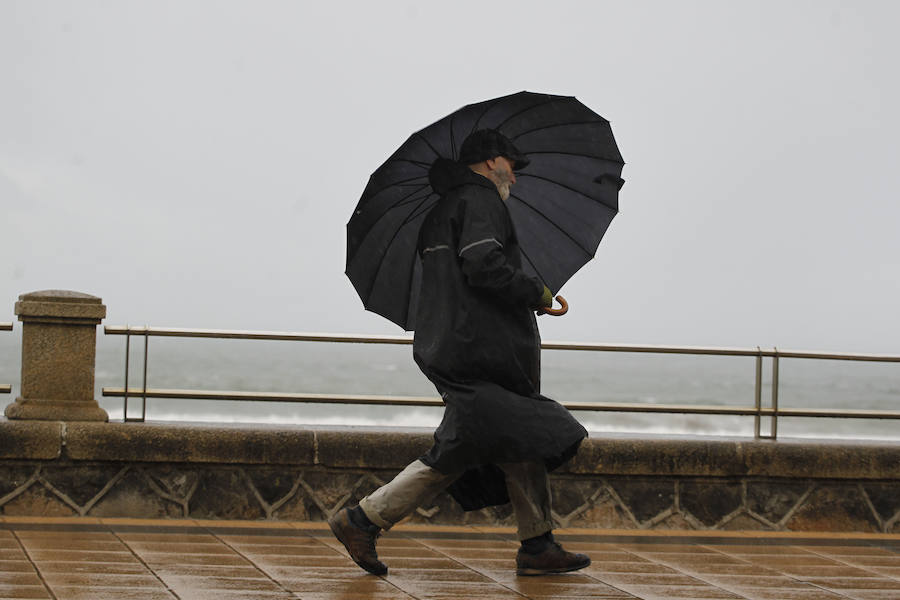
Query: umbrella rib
(418, 163)
(452, 140)
(533, 266)
(402, 182)
(552, 222)
(427, 143)
(387, 248)
(402, 202)
(525, 110)
(599, 119)
(571, 189)
(577, 154)
(490, 105)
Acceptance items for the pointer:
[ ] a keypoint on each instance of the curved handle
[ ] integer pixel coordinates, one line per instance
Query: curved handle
(556, 312)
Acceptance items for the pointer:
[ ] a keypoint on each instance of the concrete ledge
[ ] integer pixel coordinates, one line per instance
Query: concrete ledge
(393, 448)
(35, 440)
(191, 443)
(277, 473)
(723, 457)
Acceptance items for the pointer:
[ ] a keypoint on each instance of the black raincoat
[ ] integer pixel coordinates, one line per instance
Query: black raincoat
(477, 340)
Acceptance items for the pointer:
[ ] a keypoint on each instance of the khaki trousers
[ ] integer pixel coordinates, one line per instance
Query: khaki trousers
(527, 484)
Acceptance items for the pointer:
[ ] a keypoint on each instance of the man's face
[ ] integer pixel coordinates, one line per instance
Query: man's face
(501, 173)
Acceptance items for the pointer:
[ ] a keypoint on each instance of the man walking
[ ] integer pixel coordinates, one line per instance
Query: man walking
(477, 340)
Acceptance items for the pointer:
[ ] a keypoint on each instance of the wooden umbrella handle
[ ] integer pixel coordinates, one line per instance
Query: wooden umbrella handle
(556, 312)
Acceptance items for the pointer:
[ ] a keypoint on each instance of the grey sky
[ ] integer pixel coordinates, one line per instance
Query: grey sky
(195, 163)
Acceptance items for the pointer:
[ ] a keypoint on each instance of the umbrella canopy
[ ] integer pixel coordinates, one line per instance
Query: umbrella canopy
(561, 204)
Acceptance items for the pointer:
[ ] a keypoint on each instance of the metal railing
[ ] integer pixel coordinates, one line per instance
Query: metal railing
(758, 411)
(5, 388)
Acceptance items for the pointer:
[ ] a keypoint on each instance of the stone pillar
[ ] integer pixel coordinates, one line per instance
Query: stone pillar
(59, 342)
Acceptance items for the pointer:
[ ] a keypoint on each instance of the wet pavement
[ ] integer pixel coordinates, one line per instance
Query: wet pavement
(100, 559)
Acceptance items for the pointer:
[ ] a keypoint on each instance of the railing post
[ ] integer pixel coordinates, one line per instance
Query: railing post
(775, 395)
(5, 388)
(59, 341)
(757, 392)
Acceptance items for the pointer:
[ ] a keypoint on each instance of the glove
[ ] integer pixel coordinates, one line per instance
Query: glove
(547, 298)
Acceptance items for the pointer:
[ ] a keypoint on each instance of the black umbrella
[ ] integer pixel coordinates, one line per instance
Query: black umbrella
(561, 204)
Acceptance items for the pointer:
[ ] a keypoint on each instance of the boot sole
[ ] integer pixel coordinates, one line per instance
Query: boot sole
(373, 569)
(532, 572)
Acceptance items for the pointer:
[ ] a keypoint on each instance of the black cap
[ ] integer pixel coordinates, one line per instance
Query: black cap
(490, 143)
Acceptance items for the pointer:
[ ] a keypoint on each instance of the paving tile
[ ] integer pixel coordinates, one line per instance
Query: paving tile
(169, 538)
(214, 547)
(856, 583)
(81, 556)
(303, 561)
(328, 575)
(100, 593)
(810, 593)
(651, 548)
(423, 563)
(465, 575)
(489, 564)
(460, 589)
(121, 568)
(893, 572)
(8, 590)
(271, 540)
(875, 561)
(163, 558)
(748, 549)
(733, 582)
(12, 554)
(702, 570)
(870, 594)
(540, 588)
(677, 579)
(794, 560)
(332, 560)
(249, 584)
(15, 566)
(268, 550)
(392, 595)
(628, 567)
(19, 578)
(100, 579)
(247, 570)
(616, 596)
(464, 553)
(664, 592)
(508, 577)
(352, 583)
(804, 571)
(62, 545)
(854, 551)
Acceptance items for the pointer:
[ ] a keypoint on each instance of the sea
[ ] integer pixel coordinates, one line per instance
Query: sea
(567, 376)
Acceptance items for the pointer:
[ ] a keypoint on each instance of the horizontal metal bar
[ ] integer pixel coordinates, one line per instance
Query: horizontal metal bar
(5, 388)
(258, 335)
(838, 413)
(687, 409)
(6, 326)
(407, 340)
(276, 397)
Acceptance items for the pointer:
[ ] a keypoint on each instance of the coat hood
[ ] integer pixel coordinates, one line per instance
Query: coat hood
(446, 174)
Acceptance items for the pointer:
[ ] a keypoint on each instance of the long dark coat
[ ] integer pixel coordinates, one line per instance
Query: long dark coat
(477, 340)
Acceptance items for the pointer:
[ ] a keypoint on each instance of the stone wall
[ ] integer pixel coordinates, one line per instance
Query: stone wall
(304, 474)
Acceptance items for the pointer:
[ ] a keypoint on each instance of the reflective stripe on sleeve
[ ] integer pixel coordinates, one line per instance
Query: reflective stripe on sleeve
(484, 241)
(434, 248)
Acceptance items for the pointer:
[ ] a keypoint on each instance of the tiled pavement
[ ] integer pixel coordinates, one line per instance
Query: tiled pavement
(100, 559)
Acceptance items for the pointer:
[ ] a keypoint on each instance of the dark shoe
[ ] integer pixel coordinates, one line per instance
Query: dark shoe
(553, 559)
(359, 542)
